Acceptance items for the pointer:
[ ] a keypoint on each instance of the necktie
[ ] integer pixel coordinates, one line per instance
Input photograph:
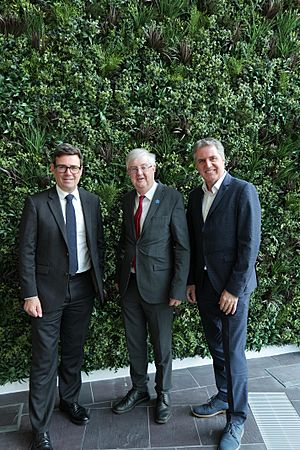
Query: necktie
(137, 217)
(137, 224)
(71, 235)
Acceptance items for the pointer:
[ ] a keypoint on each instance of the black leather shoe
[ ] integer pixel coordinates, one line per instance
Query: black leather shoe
(76, 413)
(41, 442)
(131, 399)
(163, 408)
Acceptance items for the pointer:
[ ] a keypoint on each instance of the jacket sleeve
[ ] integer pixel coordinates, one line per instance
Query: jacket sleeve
(27, 249)
(248, 240)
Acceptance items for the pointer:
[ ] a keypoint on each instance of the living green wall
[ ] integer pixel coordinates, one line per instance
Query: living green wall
(109, 76)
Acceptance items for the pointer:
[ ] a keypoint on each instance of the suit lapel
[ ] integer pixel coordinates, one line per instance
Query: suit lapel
(154, 206)
(130, 215)
(220, 194)
(55, 207)
(86, 209)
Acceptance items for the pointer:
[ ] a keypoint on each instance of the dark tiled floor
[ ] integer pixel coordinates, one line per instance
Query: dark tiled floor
(137, 429)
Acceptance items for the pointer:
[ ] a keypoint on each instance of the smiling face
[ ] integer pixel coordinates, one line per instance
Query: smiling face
(141, 173)
(67, 180)
(210, 164)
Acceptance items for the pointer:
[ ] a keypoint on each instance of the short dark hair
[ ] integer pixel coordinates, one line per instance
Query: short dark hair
(66, 149)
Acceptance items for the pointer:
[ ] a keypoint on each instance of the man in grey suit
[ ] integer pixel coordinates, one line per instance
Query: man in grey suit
(152, 269)
(61, 268)
(224, 225)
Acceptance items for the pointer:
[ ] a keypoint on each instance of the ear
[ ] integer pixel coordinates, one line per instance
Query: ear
(52, 168)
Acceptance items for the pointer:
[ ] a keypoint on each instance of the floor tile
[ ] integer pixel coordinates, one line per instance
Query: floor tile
(110, 390)
(179, 431)
(107, 430)
(204, 375)
(293, 393)
(296, 405)
(183, 379)
(137, 429)
(15, 397)
(64, 434)
(252, 434)
(10, 417)
(17, 440)
(288, 375)
(189, 396)
(253, 447)
(210, 430)
(287, 358)
(257, 366)
(265, 384)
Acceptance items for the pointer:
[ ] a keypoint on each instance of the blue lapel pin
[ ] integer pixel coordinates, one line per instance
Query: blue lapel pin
(157, 201)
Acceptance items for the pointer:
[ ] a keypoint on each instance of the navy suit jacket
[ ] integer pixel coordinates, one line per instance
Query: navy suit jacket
(228, 242)
(43, 258)
(162, 250)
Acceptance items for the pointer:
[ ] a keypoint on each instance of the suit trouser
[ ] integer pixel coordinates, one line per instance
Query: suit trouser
(226, 336)
(69, 324)
(139, 317)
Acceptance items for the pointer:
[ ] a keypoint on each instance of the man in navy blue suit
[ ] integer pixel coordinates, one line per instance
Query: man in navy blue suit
(224, 224)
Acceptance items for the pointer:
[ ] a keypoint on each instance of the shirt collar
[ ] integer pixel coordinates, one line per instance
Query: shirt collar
(216, 186)
(149, 194)
(62, 194)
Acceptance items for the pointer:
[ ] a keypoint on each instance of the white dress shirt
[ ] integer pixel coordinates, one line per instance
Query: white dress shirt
(209, 196)
(84, 262)
(146, 202)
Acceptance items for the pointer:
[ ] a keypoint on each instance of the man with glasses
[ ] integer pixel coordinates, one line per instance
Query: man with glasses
(152, 269)
(61, 268)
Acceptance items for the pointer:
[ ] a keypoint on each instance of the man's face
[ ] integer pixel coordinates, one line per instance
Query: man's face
(67, 180)
(141, 173)
(209, 164)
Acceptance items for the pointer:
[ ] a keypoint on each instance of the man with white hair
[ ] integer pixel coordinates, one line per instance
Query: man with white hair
(152, 270)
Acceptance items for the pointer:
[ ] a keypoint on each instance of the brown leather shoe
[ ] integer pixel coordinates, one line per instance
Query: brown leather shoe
(41, 442)
(76, 413)
(131, 399)
(163, 408)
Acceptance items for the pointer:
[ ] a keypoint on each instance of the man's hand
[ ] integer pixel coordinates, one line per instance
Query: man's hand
(174, 302)
(228, 302)
(191, 293)
(33, 307)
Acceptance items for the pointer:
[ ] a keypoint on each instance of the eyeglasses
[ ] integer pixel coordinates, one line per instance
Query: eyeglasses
(134, 170)
(61, 168)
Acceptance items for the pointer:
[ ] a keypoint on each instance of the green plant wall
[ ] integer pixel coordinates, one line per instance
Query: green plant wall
(109, 76)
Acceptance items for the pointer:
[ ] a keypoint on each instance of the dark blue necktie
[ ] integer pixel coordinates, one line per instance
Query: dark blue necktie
(71, 235)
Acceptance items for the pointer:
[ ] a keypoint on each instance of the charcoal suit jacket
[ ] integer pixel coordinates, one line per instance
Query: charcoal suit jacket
(162, 250)
(44, 260)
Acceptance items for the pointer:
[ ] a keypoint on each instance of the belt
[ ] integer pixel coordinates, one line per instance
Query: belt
(80, 275)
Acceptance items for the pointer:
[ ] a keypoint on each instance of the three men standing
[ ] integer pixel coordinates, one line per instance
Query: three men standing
(224, 225)
(61, 271)
(61, 268)
(152, 270)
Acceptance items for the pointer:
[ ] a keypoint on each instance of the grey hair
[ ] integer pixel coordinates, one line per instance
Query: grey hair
(210, 141)
(139, 153)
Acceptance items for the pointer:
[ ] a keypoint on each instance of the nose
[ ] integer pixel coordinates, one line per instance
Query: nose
(208, 163)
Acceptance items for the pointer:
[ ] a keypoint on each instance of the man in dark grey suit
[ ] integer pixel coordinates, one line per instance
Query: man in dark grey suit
(152, 269)
(224, 225)
(61, 268)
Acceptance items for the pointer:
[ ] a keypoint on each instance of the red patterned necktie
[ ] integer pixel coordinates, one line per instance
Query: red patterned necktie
(137, 224)
(137, 216)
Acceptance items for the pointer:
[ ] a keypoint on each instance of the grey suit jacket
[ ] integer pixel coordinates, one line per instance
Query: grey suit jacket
(43, 255)
(228, 242)
(162, 250)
